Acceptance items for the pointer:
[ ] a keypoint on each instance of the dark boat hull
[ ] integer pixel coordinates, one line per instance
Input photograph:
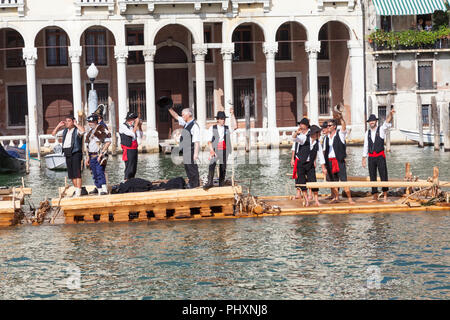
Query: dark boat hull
(10, 164)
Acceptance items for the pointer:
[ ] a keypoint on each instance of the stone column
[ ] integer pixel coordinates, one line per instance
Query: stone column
(270, 49)
(30, 57)
(227, 56)
(75, 54)
(199, 51)
(152, 138)
(121, 55)
(313, 48)
(356, 54)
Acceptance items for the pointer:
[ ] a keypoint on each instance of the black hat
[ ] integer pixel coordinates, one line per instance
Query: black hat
(131, 115)
(92, 118)
(99, 110)
(304, 121)
(221, 115)
(324, 124)
(372, 118)
(314, 129)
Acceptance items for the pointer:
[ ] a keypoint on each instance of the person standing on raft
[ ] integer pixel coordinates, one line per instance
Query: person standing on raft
(97, 142)
(303, 129)
(72, 144)
(310, 150)
(220, 147)
(374, 149)
(129, 131)
(335, 154)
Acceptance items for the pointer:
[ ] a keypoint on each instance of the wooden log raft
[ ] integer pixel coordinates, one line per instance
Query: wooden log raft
(11, 200)
(151, 205)
(369, 184)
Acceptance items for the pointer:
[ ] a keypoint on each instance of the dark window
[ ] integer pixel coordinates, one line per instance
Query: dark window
(426, 115)
(56, 42)
(14, 57)
(243, 48)
(209, 99)
(425, 75)
(386, 23)
(324, 95)
(137, 100)
(381, 114)
(244, 93)
(208, 39)
(135, 37)
(17, 105)
(384, 74)
(284, 46)
(324, 53)
(95, 42)
(102, 95)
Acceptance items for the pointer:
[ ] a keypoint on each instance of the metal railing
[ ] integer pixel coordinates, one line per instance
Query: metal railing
(426, 86)
(391, 87)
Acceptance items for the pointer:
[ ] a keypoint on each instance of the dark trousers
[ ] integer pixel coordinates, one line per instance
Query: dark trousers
(222, 159)
(98, 172)
(380, 164)
(131, 164)
(338, 176)
(306, 173)
(73, 162)
(192, 173)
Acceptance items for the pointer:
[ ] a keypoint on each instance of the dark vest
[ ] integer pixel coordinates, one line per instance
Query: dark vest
(305, 151)
(216, 139)
(186, 138)
(126, 140)
(378, 146)
(77, 140)
(338, 147)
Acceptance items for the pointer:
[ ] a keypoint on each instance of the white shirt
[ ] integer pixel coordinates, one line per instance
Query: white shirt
(68, 141)
(123, 129)
(301, 139)
(195, 130)
(95, 143)
(342, 135)
(373, 134)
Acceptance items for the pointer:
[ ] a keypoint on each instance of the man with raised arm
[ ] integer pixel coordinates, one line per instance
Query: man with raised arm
(374, 149)
(129, 131)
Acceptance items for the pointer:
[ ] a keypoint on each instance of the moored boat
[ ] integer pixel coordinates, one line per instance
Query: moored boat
(428, 137)
(56, 160)
(11, 162)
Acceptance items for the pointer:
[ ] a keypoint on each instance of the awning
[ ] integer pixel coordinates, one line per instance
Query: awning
(408, 7)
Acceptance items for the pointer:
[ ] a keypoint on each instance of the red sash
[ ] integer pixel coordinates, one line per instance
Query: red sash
(334, 165)
(222, 145)
(134, 146)
(294, 172)
(374, 154)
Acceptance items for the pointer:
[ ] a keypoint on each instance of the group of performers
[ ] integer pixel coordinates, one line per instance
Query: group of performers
(98, 139)
(327, 144)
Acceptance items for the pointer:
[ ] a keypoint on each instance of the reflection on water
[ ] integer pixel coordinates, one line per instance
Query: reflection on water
(364, 256)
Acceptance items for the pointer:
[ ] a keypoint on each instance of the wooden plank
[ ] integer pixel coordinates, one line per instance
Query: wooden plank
(369, 184)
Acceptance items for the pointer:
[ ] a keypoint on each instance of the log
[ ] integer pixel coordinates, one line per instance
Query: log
(436, 123)
(369, 184)
(420, 120)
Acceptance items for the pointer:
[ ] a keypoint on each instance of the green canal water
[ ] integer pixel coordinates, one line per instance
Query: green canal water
(361, 256)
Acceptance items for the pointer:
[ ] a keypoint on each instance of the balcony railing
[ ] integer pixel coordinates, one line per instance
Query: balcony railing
(386, 87)
(79, 4)
(235, 4)
(426, 86)
(350, 4)
(19, 4)
(151, 3)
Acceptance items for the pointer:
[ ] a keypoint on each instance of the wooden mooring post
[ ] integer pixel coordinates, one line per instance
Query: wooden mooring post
(420, 120)
(27, 144)
(388, 132)
(112, 121)
(446, 126)
(436, 124)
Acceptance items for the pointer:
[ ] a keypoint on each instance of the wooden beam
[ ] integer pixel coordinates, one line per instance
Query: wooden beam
(369, 184)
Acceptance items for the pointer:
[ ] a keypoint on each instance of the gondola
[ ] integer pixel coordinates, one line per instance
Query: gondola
(13, 161)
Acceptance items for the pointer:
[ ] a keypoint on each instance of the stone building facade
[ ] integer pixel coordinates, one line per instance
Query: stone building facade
(284, 59)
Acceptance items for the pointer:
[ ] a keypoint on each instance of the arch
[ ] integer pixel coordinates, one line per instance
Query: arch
(17, 29)
(247, 21)
(294, 22)
(96, 26)
(339, 20)
(197, 38)
(175, 44)
(53, 25)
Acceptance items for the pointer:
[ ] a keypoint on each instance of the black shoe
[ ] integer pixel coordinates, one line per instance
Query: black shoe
(84, 191)
(95, 191)
(208, 185)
